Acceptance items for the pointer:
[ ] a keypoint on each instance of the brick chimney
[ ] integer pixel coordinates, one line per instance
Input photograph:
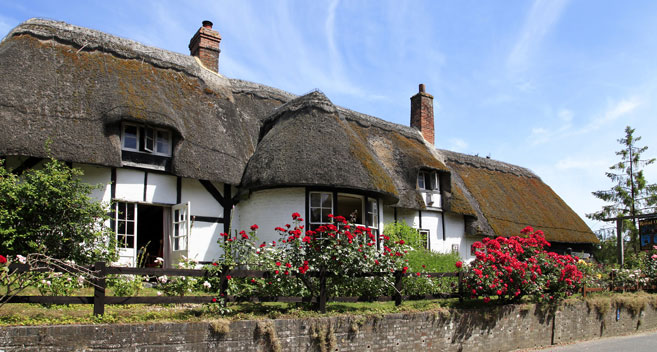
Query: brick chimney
(205, 46)
(422, 114)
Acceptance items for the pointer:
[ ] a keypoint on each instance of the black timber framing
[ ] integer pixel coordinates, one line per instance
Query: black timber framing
(224, 200)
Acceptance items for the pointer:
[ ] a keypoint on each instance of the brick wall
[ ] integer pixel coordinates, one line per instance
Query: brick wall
(495, 329)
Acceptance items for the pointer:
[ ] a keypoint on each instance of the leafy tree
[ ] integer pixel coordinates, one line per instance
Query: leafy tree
(631, 195)
(50, 211)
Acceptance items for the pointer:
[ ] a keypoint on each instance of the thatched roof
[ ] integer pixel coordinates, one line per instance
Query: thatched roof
(74, 86)
(507, 198)
(307, 143)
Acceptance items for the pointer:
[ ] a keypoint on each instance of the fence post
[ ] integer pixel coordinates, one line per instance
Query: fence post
(460, 286)
(223, 282)
(322, 291)
(398, 287)
(612, 275)
(99, 288)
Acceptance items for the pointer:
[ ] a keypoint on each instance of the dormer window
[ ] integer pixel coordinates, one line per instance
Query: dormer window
(427, 180)
(146, 139)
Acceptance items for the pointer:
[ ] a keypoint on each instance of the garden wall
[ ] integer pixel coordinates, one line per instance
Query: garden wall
(492, 329)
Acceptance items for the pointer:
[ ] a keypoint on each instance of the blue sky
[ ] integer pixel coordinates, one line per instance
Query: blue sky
(548, 85)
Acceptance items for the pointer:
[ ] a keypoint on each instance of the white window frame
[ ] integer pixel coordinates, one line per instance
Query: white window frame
(421, 177)
(123, 146)
(321, 207)
(427, 233)
(154, 137)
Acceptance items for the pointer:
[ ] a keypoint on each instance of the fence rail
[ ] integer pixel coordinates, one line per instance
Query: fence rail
(101, 270)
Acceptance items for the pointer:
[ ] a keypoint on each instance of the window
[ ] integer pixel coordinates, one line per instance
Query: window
(424, 238)
(321, 205)
(372, 213)
(351, 207)
(126, 220)
(427, 180)
(146, 139)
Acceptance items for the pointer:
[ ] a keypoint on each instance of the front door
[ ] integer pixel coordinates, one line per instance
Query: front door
(126, 232)
(180, 230)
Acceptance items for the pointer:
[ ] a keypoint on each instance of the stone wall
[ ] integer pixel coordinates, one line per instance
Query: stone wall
(492, 329)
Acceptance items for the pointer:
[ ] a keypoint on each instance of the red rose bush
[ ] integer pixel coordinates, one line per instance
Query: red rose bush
(513, 267)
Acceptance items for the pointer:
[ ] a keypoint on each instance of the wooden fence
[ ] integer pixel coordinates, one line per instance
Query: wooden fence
(101, 270)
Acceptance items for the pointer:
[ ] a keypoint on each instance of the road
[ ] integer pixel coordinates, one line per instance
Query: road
(644, 342)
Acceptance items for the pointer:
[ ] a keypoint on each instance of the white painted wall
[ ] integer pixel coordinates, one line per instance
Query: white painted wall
(130, 185)
(203, 244)
(161, 188)
(455, 234)
(269, 209)
(203, 204)
(204, 235)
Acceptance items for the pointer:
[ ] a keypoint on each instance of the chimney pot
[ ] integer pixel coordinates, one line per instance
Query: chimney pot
(205, 46)
(422, 113)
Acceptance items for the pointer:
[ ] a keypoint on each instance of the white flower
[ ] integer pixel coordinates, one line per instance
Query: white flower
(80, 280)
(159, 260)
(48, 283)
(68, 279)
(21, 259)
(159, 293)
(163, 279)
(207, 285)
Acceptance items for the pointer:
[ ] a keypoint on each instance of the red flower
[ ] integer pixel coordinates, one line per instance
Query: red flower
(263, 244)
(486, 299)
(3, 259)
(214, 300)
(286, 272)
(295, 216)
(404, 270)
(254, 227)
(253, 281)
(276, 272)
(300, 219)
(459, 264)
(244, 235)
(401, 242)
(228, 277)
(376, 262)
(215, 264)
(417, 274)
(288, 265)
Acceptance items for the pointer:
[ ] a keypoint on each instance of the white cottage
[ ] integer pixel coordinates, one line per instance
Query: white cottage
(186, 153)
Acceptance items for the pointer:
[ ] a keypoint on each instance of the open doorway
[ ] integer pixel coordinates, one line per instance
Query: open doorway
(150, 241)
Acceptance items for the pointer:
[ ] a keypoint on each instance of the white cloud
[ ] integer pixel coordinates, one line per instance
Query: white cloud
(613, 112)
(542, 16)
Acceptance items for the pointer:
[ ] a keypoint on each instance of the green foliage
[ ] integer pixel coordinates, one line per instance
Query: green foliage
(179, 285)
(401, 231)
(49, 211)
(57, 284)
(125, 285)
(605, 253)
(423, 260)
(631, 194)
